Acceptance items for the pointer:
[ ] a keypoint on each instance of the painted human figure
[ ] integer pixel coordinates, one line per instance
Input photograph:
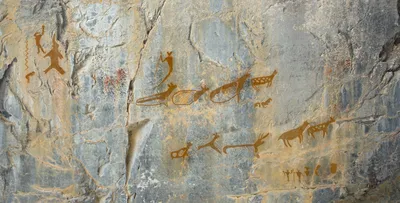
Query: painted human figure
(54, 55)
(170, 61)
(38, 37)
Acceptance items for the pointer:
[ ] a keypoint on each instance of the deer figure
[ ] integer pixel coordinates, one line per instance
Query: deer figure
(160, 97)
(292, 134)
(263, 80)
(320, 127)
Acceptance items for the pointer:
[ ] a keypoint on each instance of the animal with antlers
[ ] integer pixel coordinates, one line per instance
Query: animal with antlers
(320, 127)
(292, 134)
(256, 144)
(263, 80)
(160, 97)
(211, 144)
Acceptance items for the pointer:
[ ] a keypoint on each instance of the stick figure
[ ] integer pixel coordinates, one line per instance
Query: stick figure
(38, 37)
(170, 61)
(54, 55)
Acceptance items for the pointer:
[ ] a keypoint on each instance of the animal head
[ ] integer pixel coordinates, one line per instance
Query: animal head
(169, 53)
(332, 119)
(189, 144)
(204, 88)
(216, 135)
(172, 86)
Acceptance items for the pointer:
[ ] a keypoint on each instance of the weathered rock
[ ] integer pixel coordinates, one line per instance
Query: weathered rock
(169, 101)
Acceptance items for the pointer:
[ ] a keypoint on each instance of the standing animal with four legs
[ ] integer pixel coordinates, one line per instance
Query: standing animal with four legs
(292, 134)
(320, 127)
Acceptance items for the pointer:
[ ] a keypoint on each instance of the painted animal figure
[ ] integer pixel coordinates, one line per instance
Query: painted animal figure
(211, 144)
(29, 75)
(188, 97)
(160, 97)
(263, 104)
(320, 127)
(181, 153)
(256, 144)
(238, 85)
(263, 80)
(292, 134)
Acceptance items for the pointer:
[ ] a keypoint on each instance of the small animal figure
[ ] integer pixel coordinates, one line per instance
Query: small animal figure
(211, 144)
(256, 144)
(263, 80)
(263, 104)
(320, 127)
(188, 97)
(29, 75)
(181, 153)
(170, 61)
(292, 134)
(161, 97)
(238, 84)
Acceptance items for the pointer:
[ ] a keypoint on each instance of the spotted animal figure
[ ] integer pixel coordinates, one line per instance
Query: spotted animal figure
(320, 127)
(292, 134)
(263, 80)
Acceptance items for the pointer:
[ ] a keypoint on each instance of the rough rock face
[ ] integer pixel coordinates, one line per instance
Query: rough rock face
(199, 101)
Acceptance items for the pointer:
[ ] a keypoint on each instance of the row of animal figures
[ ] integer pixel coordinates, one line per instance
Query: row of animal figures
(307, 172)
(188, 97)
(286, 136)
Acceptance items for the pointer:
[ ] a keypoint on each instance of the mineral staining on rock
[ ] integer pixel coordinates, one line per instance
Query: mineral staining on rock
(187, 101)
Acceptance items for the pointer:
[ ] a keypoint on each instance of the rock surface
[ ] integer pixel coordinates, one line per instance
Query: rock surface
(77, 123)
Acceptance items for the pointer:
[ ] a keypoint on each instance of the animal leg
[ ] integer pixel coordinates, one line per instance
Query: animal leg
(284, 142)
(289, 143)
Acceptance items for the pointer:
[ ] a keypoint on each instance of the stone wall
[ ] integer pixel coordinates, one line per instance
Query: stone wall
(199, 101)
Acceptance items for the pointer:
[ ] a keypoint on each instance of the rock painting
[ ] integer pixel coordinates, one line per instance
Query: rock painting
(265, 80)
(263, 104)
(320, 127)
(211, 144)
(188, 97)
(256, 144)
(54, 56)
(170, 60)
(159, 98)
(181, 153)
(293, 134)
(38, 38)
(27, 76)
(236, 86)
